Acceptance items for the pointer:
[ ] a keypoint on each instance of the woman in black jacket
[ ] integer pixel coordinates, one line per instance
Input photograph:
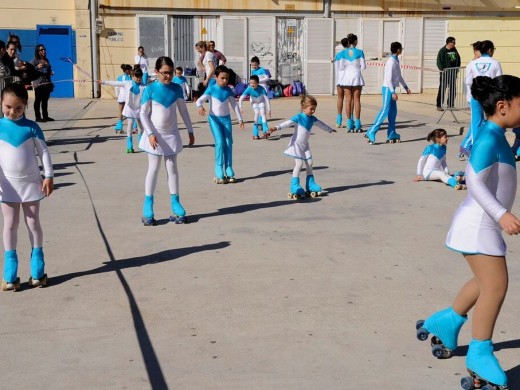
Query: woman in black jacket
(43, 85)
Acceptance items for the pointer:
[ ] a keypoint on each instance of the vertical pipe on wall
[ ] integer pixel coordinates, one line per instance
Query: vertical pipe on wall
(94, 48)
(327, 8)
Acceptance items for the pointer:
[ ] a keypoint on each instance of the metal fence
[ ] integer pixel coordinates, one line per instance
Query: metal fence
(4, 81)
(453, 91)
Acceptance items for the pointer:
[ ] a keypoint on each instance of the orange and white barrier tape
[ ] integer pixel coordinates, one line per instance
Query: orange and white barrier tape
(410, 67)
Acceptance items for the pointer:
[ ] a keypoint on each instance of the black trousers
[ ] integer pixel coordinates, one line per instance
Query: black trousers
(42, 95)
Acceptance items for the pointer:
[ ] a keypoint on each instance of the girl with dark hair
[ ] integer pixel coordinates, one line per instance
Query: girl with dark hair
(432, 163)
(476, 233)
(121, 96)
(159, 105)
(263, 74)
(43, 85)
(21, 142)
(141, 61)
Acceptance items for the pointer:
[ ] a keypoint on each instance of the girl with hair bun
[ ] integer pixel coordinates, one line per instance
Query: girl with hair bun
(476, 233)
(121, 96)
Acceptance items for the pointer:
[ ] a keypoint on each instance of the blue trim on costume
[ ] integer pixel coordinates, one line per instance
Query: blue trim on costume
(304, 120)
(436, 150)
(17, 132)
(259, 72)
(179, 80)
(255, 93)
(162, 94)
(136, 90)
(491, 135)
(350, 54)
(219, 93)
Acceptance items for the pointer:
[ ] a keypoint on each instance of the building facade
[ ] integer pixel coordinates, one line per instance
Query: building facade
(295, 40)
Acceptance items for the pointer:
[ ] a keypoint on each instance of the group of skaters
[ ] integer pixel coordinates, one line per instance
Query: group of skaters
(475, 231)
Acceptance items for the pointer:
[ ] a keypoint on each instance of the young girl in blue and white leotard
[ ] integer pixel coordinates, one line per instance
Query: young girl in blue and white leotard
(477, 225)
(121, 95)
(432, 163)
(299, 146)
(21, 184)
(182, 81)
(220, 98)
(132, 90)
(259, 103)
(391, 81)
(263, 74)
(159, 106)
(484, 65)
(349, 63)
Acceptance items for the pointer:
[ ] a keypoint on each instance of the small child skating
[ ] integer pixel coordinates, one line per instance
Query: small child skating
(389, 109)
(160, 103)
(299, 147)
(259, 103)
(133, 90)
(121, 96)
(183, 82)
(220, 98)
(476, 232)
(21, 184)
(432, 163)
(263, 74)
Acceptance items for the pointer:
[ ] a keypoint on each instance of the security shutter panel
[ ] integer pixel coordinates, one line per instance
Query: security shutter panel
(412, 53)
(153, 36)
(262, 42)
(318, 68)
(234, 45)
(434, 37)
(373, 47)
(183, 42)
(343, 27)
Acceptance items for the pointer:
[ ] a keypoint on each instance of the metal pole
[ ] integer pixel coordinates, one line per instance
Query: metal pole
(94, 48)
(326, 8)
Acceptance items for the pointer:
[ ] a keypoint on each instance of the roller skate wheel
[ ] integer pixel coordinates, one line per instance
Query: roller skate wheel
(11, 286)
(314, 194)
(467, 383)
(438, 351)
(338, 125)
(370, 142)
(231, 180)
(42, 282)
(177, 219)
(398, 140)
(216, 180)
(460, 187)
(148, 221)
(134, 131)
(129, 151)
(419, 324)
(365, 135)
(422, 334)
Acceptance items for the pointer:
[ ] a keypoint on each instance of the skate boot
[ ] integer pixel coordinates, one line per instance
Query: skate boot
(219, 175)
(311, 187)
(371, 137)
(147, 218)
(339, 119)
(119, 126)
(459, 176)
(297, 192)
(129, 145)
(255, 131)
(445, 327)
(11, 281)
(230, 175)
(455, 184)
(357, 126)
(350, 125)
(38, 277)
(178, 212)
(483, 367)
(395, 139)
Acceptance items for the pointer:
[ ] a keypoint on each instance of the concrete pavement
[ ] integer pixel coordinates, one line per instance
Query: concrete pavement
(258, 291)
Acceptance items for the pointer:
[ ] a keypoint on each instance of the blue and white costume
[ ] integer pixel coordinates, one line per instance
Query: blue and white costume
(349, 63)
(159, 106)
(263, 76)
(121, 92)
(183, 82)
(491, 179)
(259, 103)
(142, 61)
(132, 109)
(299, 144)
(20, 178)
(483, 66)
(219, 119)
(432, 165)
(391, 81)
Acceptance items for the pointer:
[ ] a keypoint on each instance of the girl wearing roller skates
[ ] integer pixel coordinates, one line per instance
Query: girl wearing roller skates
(220, 98)
(121, 96)
(263, 74)
(476, 233)
(391, 81)
(159, 106)
(132, 90)
(432, 163)
(259, 103)
(299, 147)
(21, 184)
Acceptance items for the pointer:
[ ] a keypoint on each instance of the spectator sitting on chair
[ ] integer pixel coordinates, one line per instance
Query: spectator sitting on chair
(448, 57)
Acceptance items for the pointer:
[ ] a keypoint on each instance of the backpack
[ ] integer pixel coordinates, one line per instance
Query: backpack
(190, 71)
(277, 90)
(298, 88)
(240, 88)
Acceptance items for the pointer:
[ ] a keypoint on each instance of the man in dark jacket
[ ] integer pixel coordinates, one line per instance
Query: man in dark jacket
(448, 57)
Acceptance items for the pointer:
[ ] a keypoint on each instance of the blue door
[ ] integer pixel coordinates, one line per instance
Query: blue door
(59, 42)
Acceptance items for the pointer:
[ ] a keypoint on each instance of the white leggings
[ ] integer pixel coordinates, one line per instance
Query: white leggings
(31, 212)
(172, 174)
(130, 126)
(298, 165)
(259, 109)
(438, 175)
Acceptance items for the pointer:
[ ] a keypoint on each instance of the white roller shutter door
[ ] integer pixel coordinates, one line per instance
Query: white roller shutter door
(262, 42)
(234, 44)
(435, 34)
(319, 44)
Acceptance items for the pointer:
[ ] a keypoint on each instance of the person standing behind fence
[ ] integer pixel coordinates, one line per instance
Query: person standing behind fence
(43, 85)
(349, 65)
(448, 57)
(485, 65)
(389, 109)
